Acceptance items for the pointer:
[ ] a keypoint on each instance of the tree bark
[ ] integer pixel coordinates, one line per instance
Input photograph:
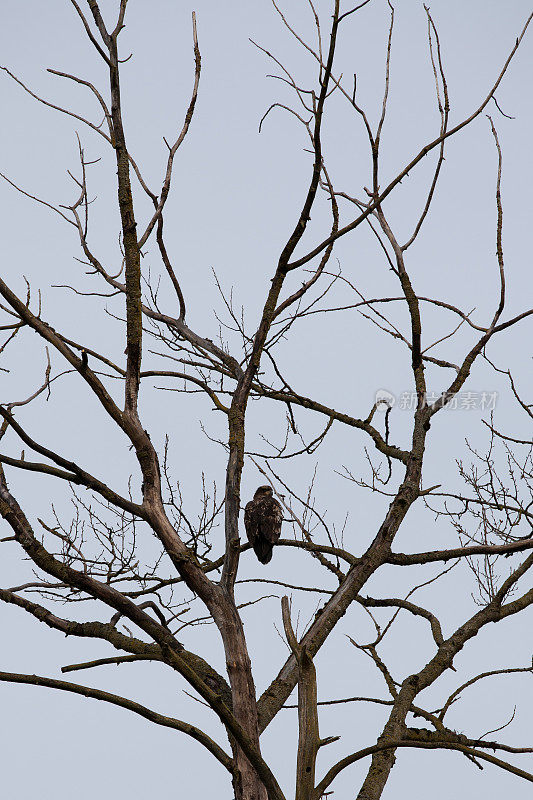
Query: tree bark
(246, 783)
(383, 761)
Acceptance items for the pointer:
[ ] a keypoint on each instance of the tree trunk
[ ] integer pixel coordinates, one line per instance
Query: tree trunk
(383, 761)
(246, 783)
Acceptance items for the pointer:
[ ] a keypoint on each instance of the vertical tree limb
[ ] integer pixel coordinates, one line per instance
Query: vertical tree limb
(308, 735)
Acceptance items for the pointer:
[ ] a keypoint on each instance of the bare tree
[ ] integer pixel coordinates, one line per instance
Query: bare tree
(103, 555)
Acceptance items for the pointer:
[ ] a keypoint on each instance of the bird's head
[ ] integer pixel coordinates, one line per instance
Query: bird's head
(262, 491)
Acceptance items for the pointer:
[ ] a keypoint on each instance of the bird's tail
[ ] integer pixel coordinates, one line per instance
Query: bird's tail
(263, 551)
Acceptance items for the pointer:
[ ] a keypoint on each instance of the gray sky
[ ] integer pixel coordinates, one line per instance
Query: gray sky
(236, 196)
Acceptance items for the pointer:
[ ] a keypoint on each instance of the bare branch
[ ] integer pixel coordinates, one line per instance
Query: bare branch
(129, 705)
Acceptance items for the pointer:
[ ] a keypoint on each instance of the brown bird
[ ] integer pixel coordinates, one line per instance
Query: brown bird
(262, 519)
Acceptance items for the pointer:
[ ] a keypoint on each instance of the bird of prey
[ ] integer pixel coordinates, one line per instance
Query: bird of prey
(262, 519)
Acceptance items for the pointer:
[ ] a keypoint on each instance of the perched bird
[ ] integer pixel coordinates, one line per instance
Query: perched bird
(262, 519)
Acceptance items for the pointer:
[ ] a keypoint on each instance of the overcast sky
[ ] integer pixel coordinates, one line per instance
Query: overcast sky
(236, 197)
